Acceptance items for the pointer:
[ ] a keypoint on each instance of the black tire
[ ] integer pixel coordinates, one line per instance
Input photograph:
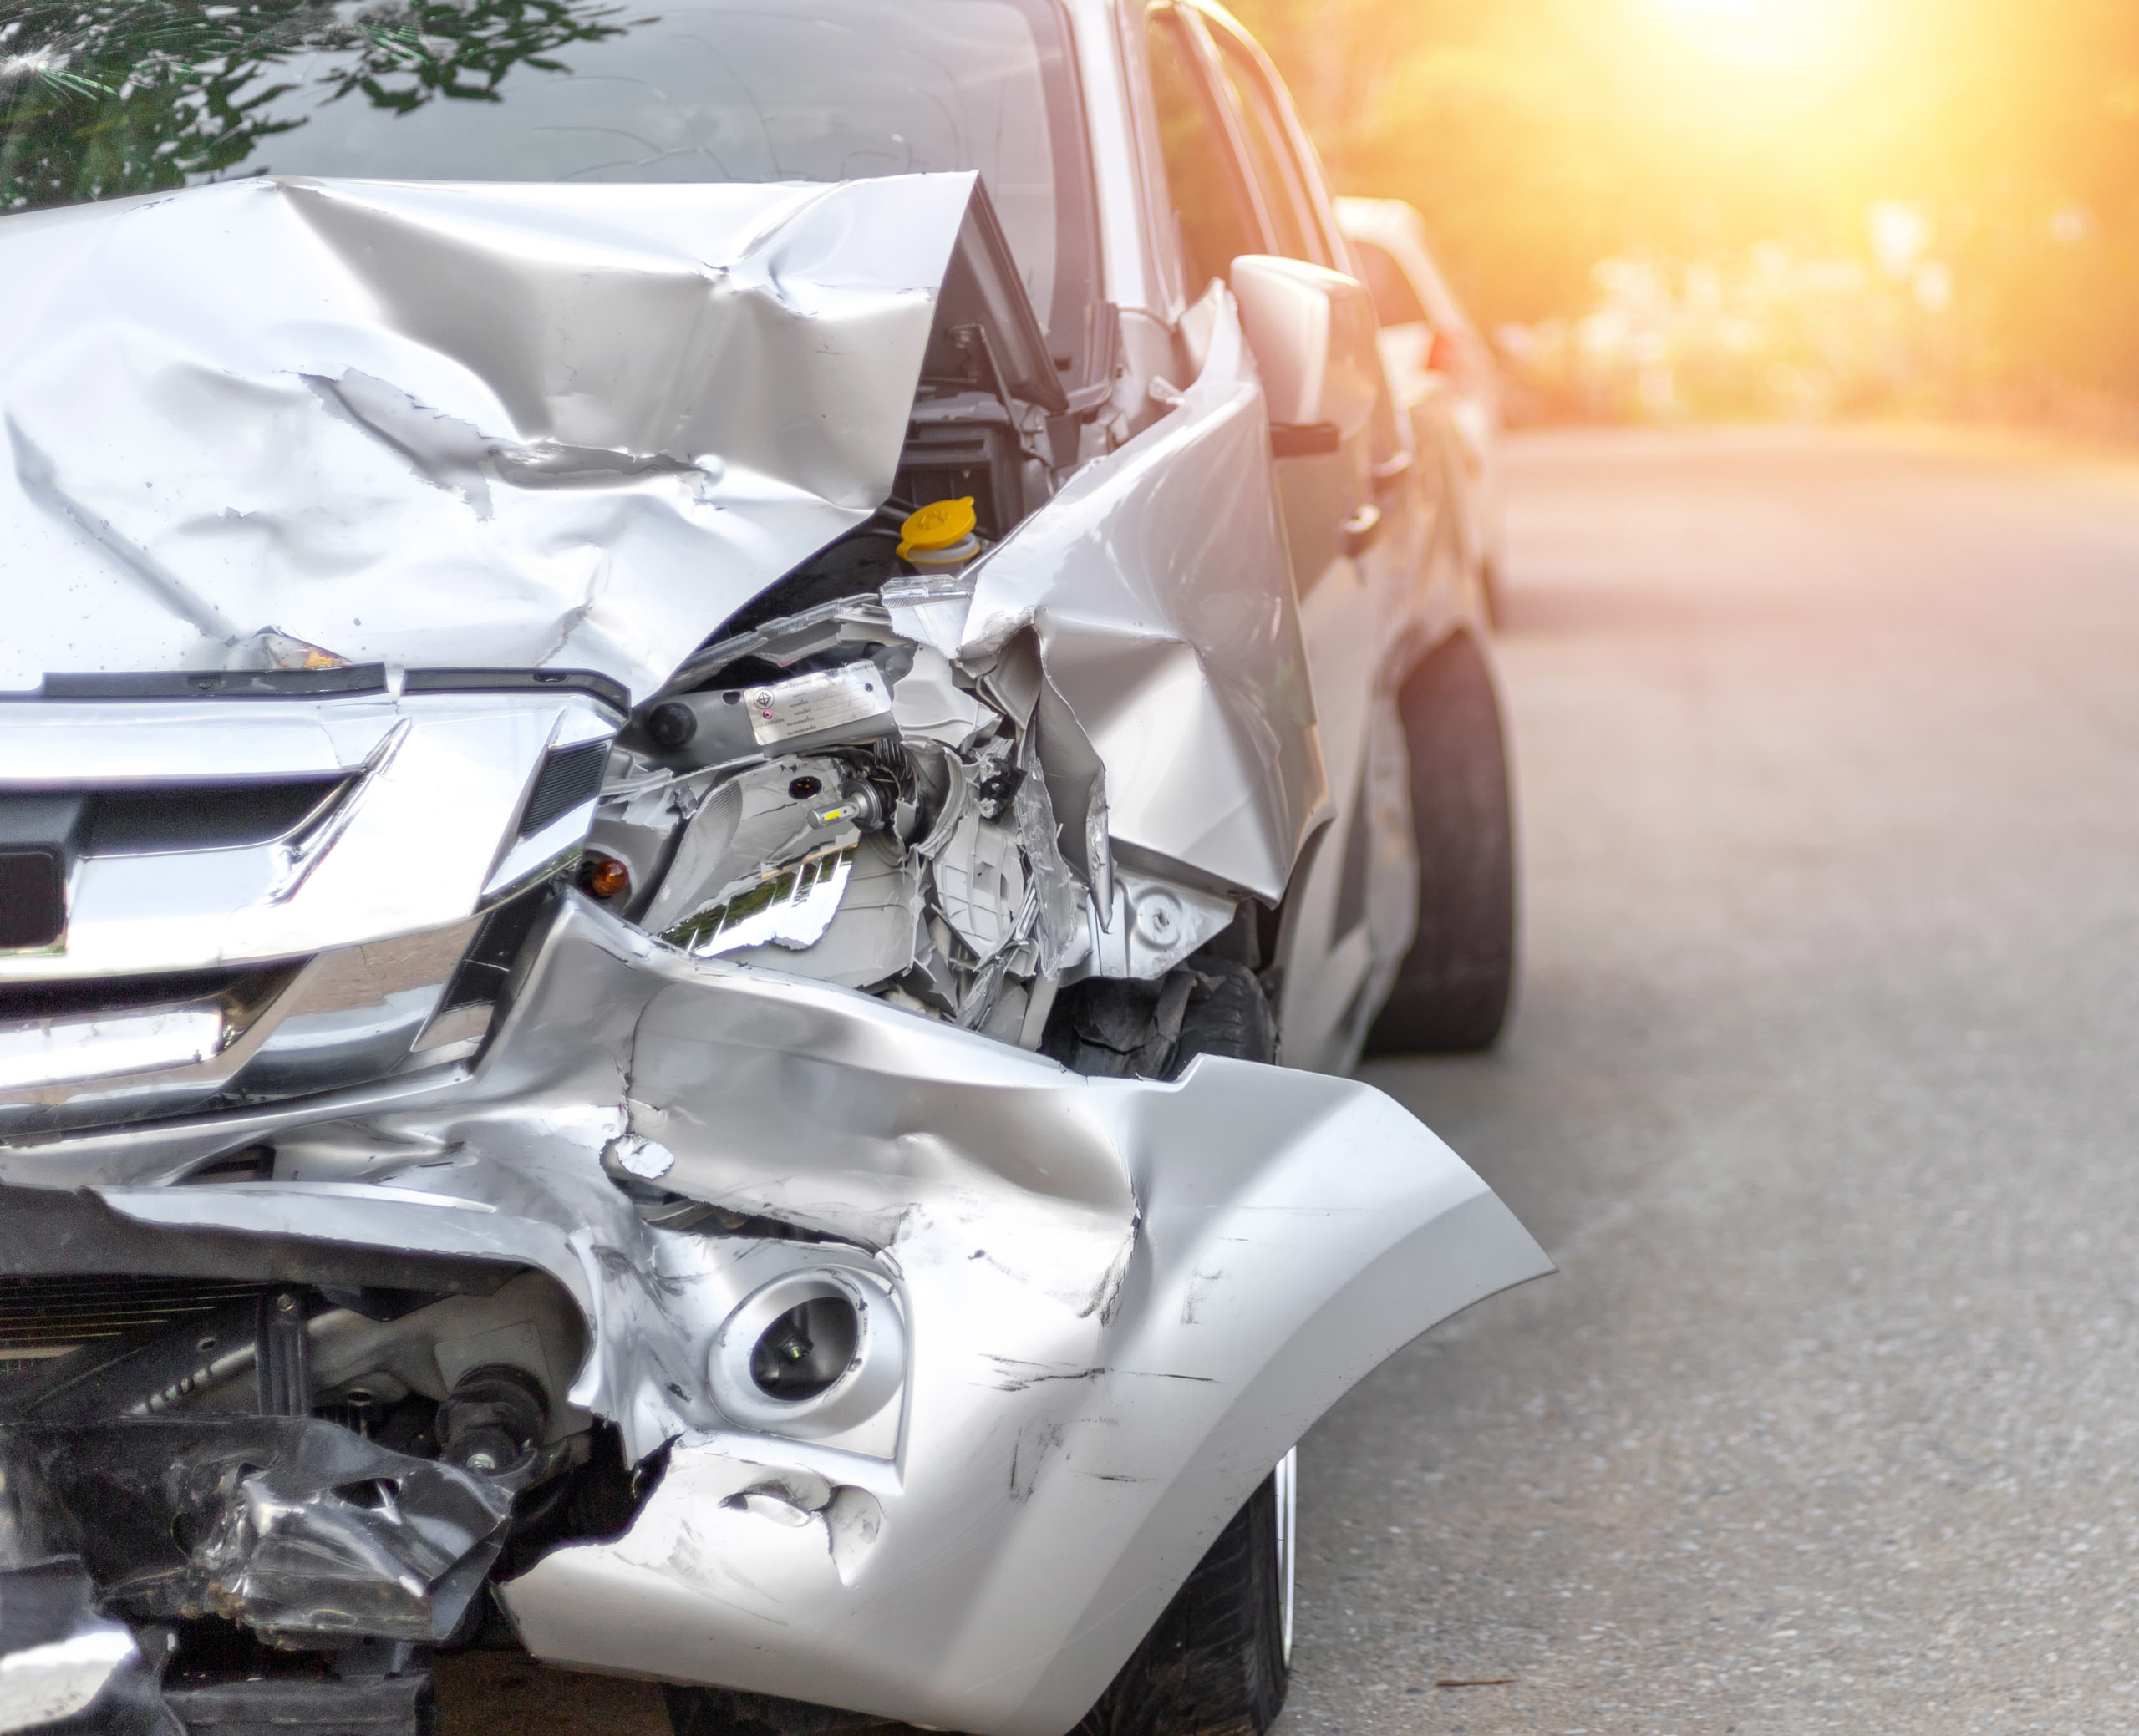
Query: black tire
(728, 1711)
(1214, 1664)
(1107, 1028)
(1228, 1015)
(1452, 991)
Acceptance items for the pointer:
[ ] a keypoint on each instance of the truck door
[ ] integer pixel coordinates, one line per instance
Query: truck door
(1355, 527)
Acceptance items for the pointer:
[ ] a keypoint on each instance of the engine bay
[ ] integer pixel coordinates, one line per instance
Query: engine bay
(837, 793)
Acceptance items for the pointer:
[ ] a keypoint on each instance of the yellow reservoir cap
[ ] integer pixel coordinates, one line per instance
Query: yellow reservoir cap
(937, 526)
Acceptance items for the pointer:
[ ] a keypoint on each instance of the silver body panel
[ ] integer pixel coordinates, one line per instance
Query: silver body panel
(354, 413)
(1169, 628)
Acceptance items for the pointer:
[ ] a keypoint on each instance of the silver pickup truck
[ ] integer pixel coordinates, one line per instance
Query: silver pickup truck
(716, 731)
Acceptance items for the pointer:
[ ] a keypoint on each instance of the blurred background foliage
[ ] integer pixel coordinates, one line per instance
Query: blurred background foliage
(1671, 207)
(103, 98)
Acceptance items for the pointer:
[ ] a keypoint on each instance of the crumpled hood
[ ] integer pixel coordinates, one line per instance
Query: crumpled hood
(439, 424)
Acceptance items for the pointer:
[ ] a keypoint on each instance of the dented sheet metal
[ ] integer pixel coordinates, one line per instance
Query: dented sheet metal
(431, 424)
(1084, 1425)
(293, 1525)
(1120, 1301)
(1157, 584)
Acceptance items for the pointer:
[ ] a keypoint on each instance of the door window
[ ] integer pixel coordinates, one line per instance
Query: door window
(1395, 297)
(1277, 174)
(1210, 199)
(704, 90)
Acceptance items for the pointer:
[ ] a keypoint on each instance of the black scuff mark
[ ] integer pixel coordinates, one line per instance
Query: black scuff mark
(1201, 1380)
(1019, 1375)
(664, 1284)
(616, 1266)
(1035, 1442)
(620, 1269)
(1105, 1299)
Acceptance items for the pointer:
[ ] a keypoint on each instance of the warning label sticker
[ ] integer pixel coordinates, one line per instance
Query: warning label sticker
(809, 704)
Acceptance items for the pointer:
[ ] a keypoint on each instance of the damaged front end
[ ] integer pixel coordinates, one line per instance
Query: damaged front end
(665, 1046)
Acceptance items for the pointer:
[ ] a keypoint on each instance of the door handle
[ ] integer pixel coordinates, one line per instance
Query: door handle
(1305, 439)
(1361, 529)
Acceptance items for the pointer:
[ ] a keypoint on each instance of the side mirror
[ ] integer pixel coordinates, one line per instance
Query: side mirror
(1312, 331)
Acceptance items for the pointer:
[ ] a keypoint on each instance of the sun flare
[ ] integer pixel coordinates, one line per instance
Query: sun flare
(1761, 32)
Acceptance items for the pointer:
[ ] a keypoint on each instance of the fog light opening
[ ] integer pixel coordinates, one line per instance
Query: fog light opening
(805, 1350)
(810, 1355)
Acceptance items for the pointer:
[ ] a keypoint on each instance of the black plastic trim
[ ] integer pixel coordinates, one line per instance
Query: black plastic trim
(168, 818)
(397, 1705)
(570, 778)
(32, 898)
(87, 997)
(215, 684)
(1305, 439)
(605, 689)
(486, 968)
(163, 818)
(45, 1230)
(318, 684)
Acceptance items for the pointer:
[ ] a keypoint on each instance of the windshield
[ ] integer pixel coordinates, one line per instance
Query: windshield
(103, 98)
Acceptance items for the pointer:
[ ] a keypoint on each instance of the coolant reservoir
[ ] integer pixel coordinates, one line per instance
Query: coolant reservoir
(939, 538)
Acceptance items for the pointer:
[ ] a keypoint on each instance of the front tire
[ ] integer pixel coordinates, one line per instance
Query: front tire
(1452, 991)
(1216, 1663)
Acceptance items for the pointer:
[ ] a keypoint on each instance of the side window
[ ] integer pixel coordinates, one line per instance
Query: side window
(1218, 224)
(1276, 173)
(1395, 297)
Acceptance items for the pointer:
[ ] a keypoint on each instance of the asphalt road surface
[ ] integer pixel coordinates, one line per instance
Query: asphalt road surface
(1822, 1091)
(1819, 1088)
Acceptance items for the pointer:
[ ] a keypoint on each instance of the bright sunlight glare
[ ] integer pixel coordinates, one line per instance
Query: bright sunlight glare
(1762, 33)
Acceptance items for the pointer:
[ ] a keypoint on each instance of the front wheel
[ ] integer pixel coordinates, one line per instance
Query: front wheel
(1218, 1661)
(1451, 991)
